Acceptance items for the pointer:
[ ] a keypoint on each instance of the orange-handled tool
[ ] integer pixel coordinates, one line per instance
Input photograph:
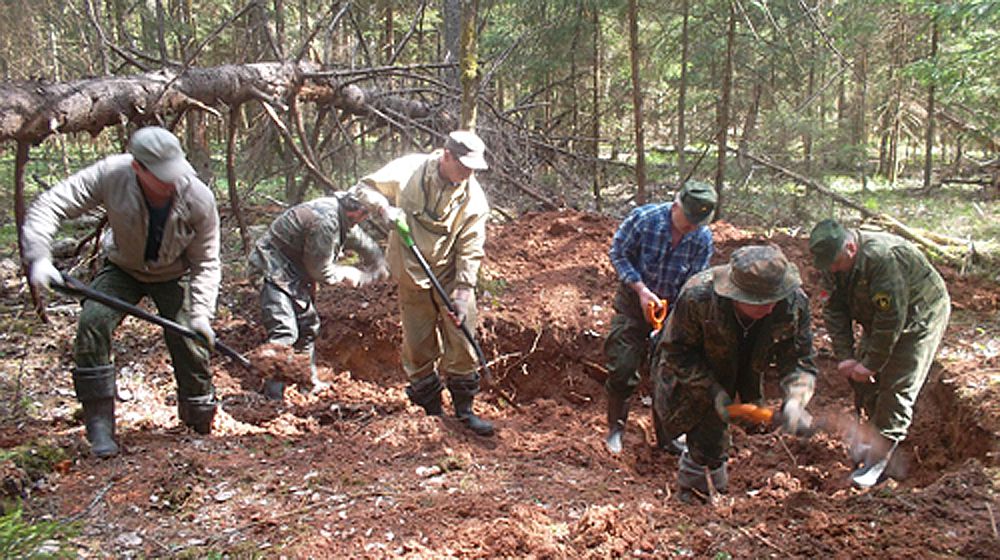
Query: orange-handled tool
(751, 413)
(656, 314)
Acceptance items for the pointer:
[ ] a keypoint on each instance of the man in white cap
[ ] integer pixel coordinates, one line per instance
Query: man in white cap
(446, 210)
(164, 244)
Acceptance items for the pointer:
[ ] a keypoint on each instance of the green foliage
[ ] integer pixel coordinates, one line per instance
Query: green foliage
(20, 538)
(36, 458)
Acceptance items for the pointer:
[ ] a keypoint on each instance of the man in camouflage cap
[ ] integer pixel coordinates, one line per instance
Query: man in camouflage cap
(655, 250)
(727, 327)
(299, 251)
(886, 285)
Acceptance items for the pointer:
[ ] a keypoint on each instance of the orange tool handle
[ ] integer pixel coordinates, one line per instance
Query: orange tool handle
(656, 314)
(751, 412)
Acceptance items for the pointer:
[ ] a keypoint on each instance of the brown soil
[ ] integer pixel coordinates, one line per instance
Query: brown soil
(356, 471)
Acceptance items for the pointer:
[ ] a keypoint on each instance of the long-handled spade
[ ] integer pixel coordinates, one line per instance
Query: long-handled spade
(404, 233)
(75, 287)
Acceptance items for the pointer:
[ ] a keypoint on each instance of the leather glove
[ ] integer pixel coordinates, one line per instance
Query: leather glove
(203, 327)
(44, 274)
(391, 213)
(794, 418)
(461, 298)
(380, 272)
(347, 275)
(721, 400)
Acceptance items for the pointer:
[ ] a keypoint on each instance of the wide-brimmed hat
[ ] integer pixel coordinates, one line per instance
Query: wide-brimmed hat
(756, 274)
(159, 151)
(468, 149)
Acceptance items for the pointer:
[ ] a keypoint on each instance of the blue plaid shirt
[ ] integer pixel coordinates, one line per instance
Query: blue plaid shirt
(641, 250)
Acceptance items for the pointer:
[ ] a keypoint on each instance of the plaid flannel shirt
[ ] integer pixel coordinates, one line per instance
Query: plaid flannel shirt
(641, 250)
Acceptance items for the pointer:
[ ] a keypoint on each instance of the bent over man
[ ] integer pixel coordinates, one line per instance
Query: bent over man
(164, 244)
(728, 326)
(446, 210)
(299, 251)
(885, 284)
(655, 250)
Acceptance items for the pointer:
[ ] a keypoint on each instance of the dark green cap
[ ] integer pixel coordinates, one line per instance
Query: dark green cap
(756, 274)
(825, 242)
(698, 201)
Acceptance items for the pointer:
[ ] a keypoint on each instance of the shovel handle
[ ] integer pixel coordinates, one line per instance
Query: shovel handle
(76, 287)
(751, 412)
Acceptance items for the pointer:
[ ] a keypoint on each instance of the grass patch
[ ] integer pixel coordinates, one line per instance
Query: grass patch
(20, 538)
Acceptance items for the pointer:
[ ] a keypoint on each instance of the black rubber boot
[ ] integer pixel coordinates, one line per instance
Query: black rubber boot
(617, 415)
(273, 390)
(95, 389)
(463, 390)
(198, 412)
(426, 393)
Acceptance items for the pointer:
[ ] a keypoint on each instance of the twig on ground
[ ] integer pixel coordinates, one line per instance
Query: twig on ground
(993, 521)
(93, 503)
(762, 539)
(784, 446)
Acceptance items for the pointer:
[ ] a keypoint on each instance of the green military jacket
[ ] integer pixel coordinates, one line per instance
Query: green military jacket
(699, 352)
(891, 289)
(303, 244)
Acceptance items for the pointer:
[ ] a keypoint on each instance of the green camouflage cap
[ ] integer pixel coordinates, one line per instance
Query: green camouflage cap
(756, 274)
(698, 201)
(825, 242)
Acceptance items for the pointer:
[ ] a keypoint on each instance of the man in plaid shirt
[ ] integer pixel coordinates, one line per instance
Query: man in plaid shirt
(655, 250)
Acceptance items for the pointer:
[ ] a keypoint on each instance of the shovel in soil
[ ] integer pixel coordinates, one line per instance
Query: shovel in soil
(404, 233)
(74, 287)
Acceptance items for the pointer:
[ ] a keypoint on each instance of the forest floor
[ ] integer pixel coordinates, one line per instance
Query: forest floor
(356, 471)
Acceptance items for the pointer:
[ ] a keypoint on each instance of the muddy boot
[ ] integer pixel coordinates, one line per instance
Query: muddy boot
(463, 390)
(874, 468)
(198, 412)
(692, 483)
(273, 390)
(426, 393)
(95, 388)
(617, 415)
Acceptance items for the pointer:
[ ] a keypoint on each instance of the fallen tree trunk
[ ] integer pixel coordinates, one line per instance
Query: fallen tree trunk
(955, 255)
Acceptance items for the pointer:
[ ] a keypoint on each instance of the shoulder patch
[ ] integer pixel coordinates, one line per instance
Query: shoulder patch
(882, 301)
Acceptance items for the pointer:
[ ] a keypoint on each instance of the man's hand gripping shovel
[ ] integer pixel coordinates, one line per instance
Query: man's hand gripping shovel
(74, 287)
(404, 233)
(763, 416)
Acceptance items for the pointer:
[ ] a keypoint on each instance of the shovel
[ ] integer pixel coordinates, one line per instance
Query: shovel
(75, 287)
(767, 417)
(404, 233)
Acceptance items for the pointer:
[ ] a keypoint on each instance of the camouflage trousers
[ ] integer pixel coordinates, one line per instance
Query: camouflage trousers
(98, 322)
(431, 341)
(627, 345)
(290, 319)
(889, 401)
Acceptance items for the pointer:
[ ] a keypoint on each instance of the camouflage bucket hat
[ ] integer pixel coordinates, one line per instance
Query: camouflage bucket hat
(825, 242)
(698, 201)
(757, 275)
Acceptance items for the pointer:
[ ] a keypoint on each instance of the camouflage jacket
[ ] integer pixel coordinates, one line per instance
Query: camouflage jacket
(890, 290)
(447, 221)
(303, 244)
(699, 351)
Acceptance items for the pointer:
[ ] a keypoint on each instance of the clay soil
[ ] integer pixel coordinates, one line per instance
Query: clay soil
(355, 471)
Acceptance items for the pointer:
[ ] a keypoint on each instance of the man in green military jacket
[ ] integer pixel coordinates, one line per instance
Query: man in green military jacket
(728, 326)
(885, 284)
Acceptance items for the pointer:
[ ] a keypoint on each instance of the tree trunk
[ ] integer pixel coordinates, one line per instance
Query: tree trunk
(929, 143)
(451, 19)
(723, 110)
(682, 94)
(469, 63)
(640, 151)
(595, 131)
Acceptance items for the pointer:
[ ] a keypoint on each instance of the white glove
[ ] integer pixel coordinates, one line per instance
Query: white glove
(202, 326)
(44, 274)
(461, 298)
(349, 276)
(794, 417)
(391, 213)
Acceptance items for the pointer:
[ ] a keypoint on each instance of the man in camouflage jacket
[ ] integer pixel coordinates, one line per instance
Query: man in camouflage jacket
(886, 285)
(299, 251)
(729, 325)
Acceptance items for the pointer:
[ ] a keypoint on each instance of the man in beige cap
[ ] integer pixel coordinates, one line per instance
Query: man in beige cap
(727, 327)
(164, 244)
(446, 210)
